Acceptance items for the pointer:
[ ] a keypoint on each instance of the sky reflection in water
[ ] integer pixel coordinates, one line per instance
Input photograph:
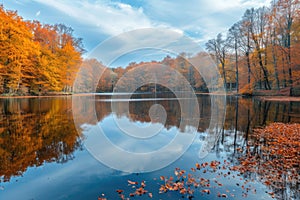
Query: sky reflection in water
(80, 176)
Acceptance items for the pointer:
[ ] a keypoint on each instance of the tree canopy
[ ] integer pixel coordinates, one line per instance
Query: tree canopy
(36, 58)
(263, 47)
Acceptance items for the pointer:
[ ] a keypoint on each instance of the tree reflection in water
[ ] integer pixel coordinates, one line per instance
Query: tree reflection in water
(34, 131)
(242, 143)
(38, 130)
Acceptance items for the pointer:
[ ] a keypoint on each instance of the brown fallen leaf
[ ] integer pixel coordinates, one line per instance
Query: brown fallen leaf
(131, 194)
(119, 191)
(183, 191)
(132, 182)
(140, 191)
(198, 166)
(162, 189)
(224, 195)
(206, 191)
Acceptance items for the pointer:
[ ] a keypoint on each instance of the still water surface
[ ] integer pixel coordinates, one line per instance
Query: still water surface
(43, 156)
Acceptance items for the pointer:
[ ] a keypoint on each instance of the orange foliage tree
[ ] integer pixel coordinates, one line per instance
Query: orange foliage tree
(36, 58)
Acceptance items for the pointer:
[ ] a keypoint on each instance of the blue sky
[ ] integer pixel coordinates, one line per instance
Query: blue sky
(97, 20)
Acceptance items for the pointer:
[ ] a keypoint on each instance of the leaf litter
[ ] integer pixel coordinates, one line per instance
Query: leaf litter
(274, 155)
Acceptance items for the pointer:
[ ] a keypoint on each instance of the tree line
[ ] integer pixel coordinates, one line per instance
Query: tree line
(259, 52)
(95, 77)
(262, 50)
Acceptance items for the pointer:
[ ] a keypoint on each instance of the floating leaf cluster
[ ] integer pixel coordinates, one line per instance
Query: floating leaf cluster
(186, 184)
(274, 156)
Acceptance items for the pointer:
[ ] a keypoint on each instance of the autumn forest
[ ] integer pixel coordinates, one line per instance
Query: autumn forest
(222, 122)
(258, 53)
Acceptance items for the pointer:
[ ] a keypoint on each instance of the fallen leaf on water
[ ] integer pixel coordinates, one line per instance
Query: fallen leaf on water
(224, 195)
(206, 191)
(272, 194)
(176, 173)
(143, 184)
(268, 182)
(140, 191)
(132, 182)
(277, 158)
(119, 191)
(131, 194)
(183, 191)
(182, 172)
(162, 189)
(198, 166)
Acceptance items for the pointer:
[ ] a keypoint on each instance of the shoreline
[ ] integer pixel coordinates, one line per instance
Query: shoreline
(278, 98)
(28, 96)
(260, 97)
(35, 96)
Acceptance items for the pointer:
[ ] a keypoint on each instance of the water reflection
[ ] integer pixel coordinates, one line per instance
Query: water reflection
(139, 110)
(245, 115)
(36, 131)
(131, 126)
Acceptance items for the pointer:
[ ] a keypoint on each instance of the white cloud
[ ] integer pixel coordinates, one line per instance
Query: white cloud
(38, 13)
(202, 18)
(225, 5)
(110, 18)
(199, 19)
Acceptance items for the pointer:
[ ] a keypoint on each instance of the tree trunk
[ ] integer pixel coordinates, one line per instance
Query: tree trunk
(265, 71)
(249, 68)
(289, 26)
(283, 71)
(224, 75)
(275, 68)
(274, 55)
(236, 66)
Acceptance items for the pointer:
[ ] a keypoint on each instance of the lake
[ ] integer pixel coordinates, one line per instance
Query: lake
(51, 148)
